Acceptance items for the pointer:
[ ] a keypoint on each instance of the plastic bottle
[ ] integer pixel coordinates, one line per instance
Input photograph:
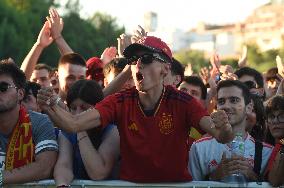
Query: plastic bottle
(237, 148)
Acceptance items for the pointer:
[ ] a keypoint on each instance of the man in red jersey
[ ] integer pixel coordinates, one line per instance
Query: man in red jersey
(153, 120)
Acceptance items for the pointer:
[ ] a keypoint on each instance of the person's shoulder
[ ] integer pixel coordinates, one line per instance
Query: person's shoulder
(173, 93)
(37, 116)
(127, 94)
(204, 140)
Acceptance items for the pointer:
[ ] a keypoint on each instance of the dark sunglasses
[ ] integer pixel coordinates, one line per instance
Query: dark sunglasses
(145, 59)
(250, 84)
(4, 86)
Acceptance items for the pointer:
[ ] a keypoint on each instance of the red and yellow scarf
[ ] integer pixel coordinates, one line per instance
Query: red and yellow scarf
(20, 149)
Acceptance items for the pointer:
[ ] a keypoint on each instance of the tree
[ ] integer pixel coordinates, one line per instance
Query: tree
(194, 57)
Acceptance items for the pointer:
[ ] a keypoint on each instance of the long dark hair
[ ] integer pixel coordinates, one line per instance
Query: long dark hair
(90, 92)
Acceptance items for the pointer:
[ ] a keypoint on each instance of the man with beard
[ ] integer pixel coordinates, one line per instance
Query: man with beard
(208, 158)
(28, 149)
(153, 119)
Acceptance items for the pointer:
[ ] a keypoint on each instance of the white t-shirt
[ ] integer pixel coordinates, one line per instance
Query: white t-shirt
(206, 154)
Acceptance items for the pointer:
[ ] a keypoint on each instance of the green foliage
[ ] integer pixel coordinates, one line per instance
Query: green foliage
(21, 21)
(261, 61)
(194, 57)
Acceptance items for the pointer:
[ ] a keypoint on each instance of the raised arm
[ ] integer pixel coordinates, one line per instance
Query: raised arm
(44, 39)
(218, 126)
(63, 119)
(243, 59)
(56, 27)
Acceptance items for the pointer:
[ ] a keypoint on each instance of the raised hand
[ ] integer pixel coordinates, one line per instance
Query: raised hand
(44, 38)
(280, 66)
(55, 23)
(188, 70)
(108, 54)
(138, 34)
(204, 75)
(122, 42)
(243, 59)
(215, 61)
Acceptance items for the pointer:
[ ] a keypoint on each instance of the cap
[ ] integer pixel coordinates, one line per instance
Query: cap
(95, 69)
(151, 45)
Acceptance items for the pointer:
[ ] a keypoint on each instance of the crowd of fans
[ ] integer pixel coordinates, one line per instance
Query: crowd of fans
(136, 114)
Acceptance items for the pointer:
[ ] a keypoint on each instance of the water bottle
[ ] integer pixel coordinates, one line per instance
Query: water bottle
(237, 148)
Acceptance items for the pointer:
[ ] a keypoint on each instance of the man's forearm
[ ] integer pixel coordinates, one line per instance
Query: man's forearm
(34, 171)
(31, 59)
(118, 82)
(62, 45)
(74, 123)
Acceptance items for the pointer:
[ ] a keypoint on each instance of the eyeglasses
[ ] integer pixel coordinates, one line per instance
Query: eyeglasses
(146, 59)
(4, 86)
(279, 118)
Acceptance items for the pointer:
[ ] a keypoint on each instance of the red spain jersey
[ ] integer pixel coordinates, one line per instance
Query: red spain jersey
(153, 148)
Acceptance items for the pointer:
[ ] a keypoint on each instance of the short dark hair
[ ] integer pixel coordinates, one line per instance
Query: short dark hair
(11, 69)
(43, 66)
(196, 81)
(72, 58)
(117, 64)
(272, 74)
(177, 69)
(90, 92)
(251, 72)
(87, 90)
(274, 104)
(238, 84)
(31, 88)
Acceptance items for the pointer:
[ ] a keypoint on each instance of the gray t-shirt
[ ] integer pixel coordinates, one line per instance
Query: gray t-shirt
(43, 136)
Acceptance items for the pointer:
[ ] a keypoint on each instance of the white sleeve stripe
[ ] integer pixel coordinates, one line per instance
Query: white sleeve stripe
(45, 142)
(54, 147)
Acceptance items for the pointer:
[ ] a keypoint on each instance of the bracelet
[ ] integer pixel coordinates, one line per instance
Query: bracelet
(82, 138)
(1, 178)
(57, 100)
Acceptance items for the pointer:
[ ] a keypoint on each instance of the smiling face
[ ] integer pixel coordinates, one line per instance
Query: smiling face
(231, 100)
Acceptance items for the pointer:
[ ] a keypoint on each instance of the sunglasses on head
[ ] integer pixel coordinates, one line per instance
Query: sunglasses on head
(146, 59)
(4, 86)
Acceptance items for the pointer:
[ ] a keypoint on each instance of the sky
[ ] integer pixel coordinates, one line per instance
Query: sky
(180, 14)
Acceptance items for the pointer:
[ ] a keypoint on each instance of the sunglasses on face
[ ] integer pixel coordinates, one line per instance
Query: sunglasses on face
(145, 59)
(4, 86)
